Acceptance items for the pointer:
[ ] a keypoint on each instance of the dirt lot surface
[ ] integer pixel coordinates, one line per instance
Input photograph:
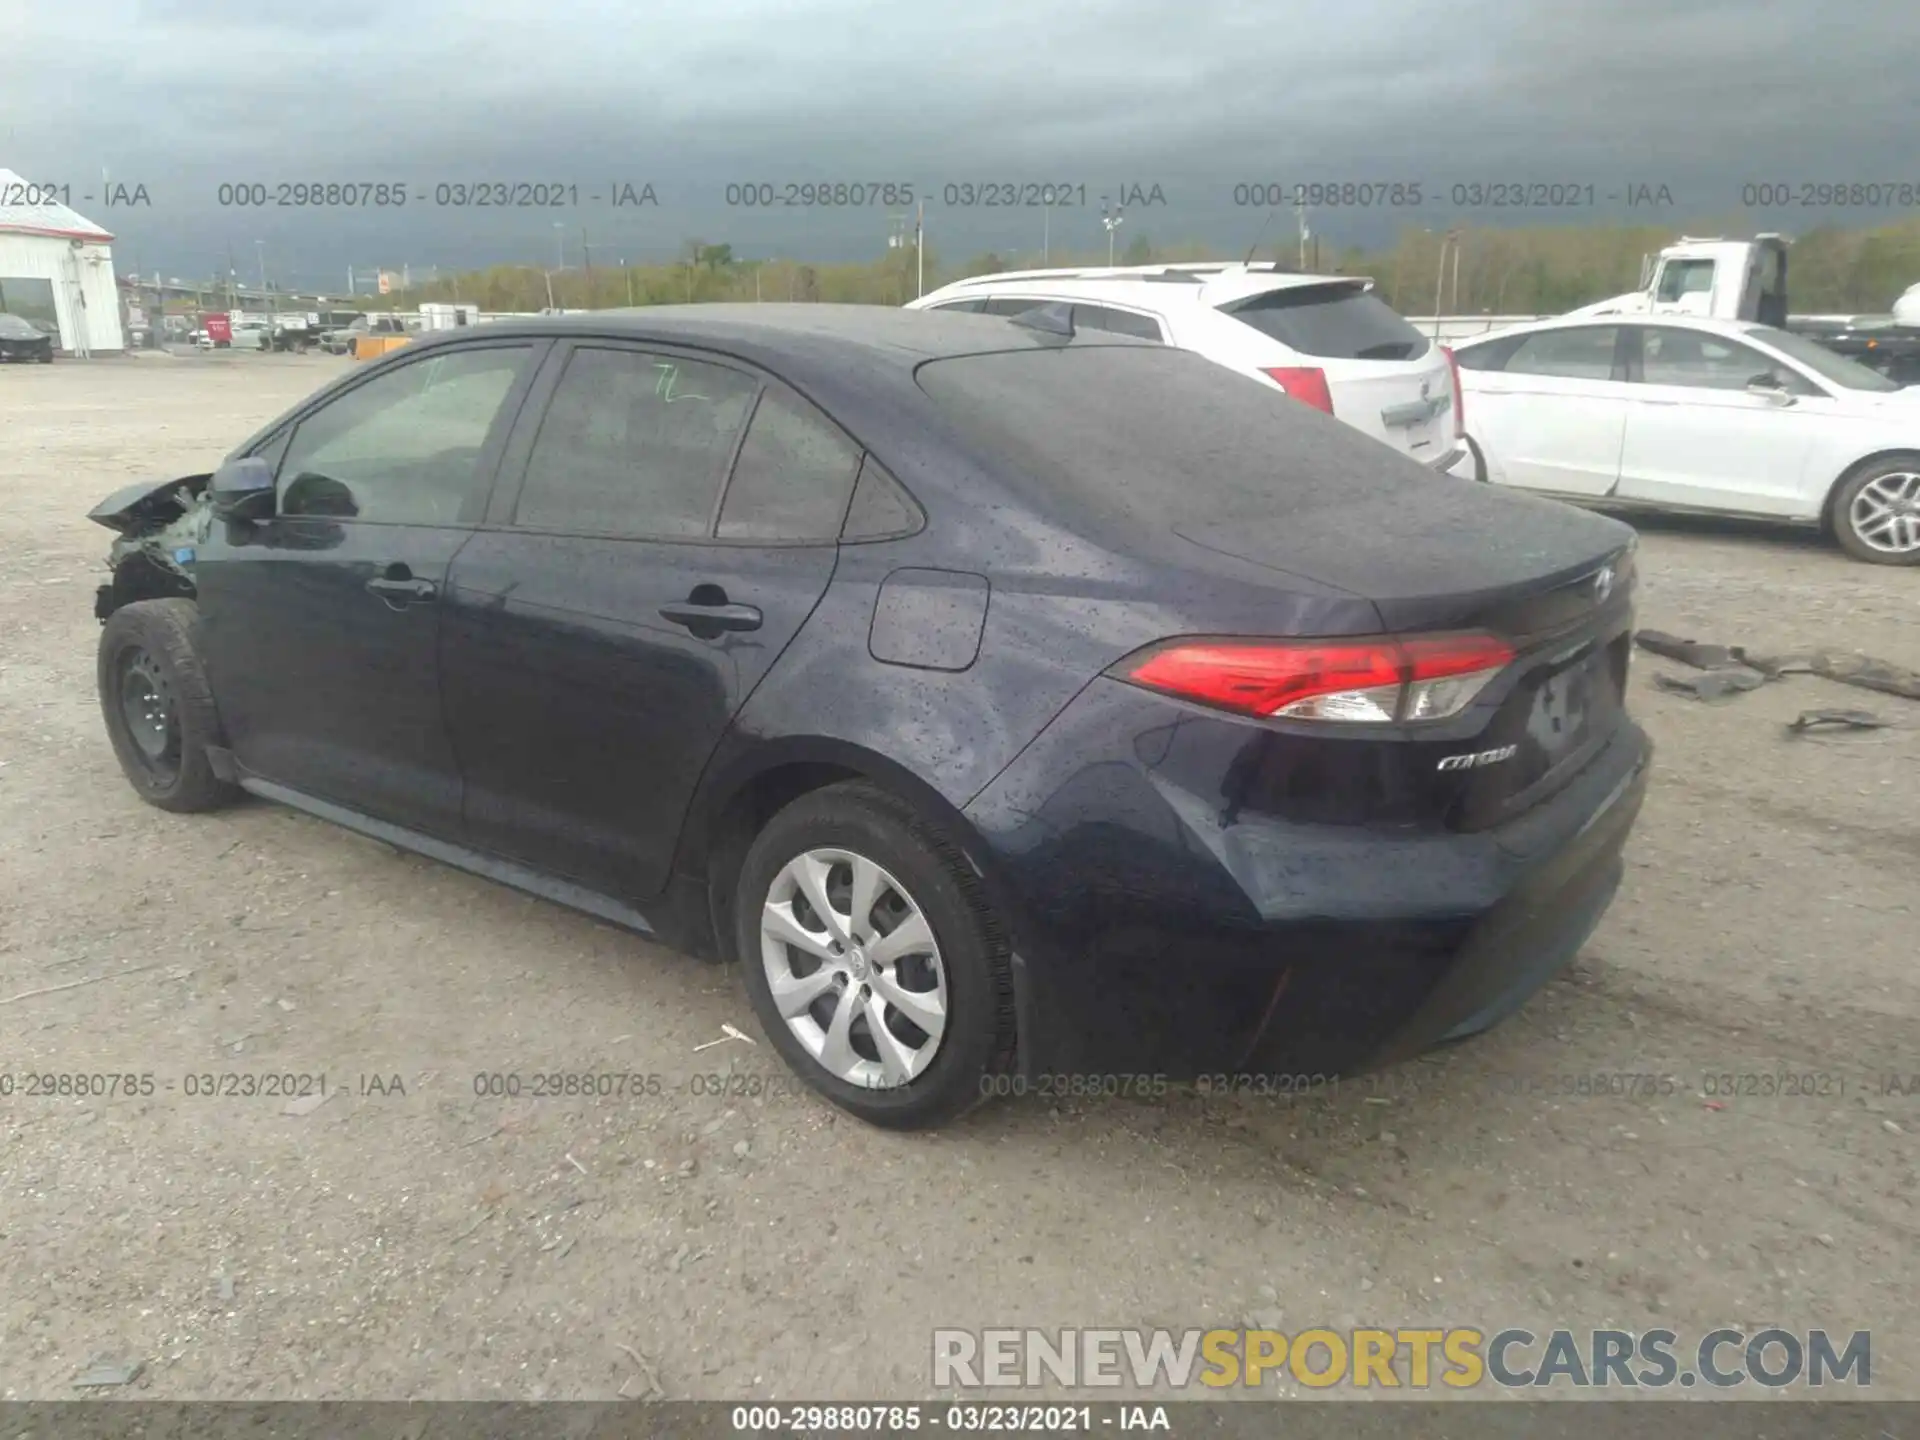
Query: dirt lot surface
(436, 1244)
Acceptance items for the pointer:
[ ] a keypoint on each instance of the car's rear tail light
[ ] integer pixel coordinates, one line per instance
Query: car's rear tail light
(1382, 680)
(1305, 383)
(1459, 395)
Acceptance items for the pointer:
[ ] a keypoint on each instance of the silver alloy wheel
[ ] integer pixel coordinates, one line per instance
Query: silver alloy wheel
(854, 968)
(1886, 513)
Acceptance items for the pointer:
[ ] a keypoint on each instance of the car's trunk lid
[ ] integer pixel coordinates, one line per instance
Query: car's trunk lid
(1159, 453)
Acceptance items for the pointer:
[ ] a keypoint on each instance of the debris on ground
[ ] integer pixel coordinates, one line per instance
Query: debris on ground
(1713, 685)
(105, 1374)
(655, 1391)
(1844, 719)
(76, 984)
(727, 1032)
(1733, 669)
(307, 1104)
(1690, 652)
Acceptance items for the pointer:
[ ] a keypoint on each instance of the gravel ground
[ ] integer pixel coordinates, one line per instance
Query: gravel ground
(409, 1239)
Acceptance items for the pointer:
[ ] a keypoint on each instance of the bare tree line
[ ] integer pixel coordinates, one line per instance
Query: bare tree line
(1532, 270)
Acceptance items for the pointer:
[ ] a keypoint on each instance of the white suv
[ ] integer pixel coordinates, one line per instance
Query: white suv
(1326, 340)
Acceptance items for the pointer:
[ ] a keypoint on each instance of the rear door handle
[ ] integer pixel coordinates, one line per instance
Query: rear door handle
(711, 617)
(400, 588)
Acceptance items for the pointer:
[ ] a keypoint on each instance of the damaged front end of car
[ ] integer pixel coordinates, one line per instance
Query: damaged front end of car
(159, 528)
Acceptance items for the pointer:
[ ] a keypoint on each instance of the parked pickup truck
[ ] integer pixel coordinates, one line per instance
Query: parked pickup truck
(1747, 280)
(341, 341)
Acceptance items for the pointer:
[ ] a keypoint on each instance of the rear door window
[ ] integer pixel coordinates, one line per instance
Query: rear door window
(970, 306)
(1584, 352)
(880, 510)
(1487, 354)
(635, 445)
(1332, 322)
(794, 476)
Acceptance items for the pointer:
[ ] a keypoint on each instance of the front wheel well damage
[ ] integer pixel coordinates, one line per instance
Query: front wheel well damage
(139, 576)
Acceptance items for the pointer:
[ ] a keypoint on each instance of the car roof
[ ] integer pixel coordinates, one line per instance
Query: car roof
(1150, 287)
(786, 337)
(1731, 329)
(857, 362)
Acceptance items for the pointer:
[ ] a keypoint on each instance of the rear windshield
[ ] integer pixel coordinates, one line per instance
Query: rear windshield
(1145, 433)
(1335, 322)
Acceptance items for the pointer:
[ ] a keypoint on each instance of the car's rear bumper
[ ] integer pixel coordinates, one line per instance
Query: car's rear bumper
(1160, 931)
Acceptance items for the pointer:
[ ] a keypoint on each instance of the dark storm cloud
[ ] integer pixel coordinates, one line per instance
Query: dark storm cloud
(1194, 96)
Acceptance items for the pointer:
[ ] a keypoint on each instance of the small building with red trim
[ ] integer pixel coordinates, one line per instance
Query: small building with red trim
(56, 267)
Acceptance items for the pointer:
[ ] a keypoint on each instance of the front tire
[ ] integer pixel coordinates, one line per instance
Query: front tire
(159, 707)
(872, 958)
(1875, 513)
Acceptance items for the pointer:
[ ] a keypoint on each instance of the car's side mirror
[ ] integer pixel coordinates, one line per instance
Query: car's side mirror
(243, 489)
(1771, 387)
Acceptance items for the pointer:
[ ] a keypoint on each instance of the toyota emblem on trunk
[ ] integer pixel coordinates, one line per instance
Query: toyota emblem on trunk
(1602, 584)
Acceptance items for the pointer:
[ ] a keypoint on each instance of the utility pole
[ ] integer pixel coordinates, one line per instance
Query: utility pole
(629, 275)
(260, 252)
(919, 250)
(559, 245)
(1300, 214)
(586, 260)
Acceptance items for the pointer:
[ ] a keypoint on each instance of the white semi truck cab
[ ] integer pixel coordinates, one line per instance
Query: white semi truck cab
(1710, 277)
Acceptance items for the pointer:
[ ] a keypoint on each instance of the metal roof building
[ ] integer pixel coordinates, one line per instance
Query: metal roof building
(56, 267)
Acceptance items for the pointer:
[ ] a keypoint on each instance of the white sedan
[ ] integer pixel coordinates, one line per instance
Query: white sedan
(1674, 413)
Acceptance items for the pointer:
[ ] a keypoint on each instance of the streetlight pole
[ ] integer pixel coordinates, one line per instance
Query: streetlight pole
(260, 252)
(1112, 221)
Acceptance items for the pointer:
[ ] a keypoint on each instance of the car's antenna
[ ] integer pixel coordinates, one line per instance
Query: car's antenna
(1260, 234)
(1054, 319)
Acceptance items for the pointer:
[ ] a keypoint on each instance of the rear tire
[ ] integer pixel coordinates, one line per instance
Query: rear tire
(906, 1035)
(158, 706)
(1875, 513)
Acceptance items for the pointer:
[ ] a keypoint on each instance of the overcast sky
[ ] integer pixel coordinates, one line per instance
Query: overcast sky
(1195, 96)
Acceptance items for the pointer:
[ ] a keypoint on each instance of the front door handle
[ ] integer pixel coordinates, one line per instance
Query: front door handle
(715, 618)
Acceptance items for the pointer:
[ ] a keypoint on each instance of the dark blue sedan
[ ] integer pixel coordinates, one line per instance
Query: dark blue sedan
(1003, 702)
